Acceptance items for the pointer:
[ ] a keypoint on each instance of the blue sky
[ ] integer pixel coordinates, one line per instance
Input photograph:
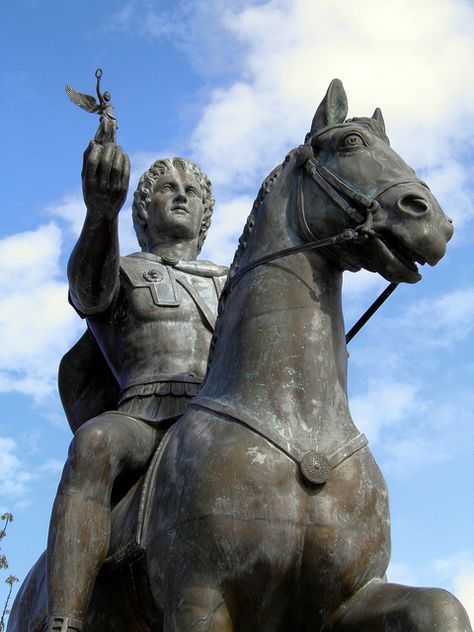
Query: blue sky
(233, 85)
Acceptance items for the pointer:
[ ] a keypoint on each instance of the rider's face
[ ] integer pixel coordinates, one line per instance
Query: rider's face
(175, 209)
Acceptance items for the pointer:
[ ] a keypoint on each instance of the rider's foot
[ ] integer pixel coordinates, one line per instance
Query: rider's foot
(63, 624)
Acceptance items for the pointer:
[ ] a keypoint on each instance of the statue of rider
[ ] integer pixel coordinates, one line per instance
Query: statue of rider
(150, 318)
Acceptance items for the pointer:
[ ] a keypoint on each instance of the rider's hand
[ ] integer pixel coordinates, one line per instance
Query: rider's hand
(105, 176)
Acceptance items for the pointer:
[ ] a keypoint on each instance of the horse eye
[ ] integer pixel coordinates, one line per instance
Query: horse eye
(352, 140)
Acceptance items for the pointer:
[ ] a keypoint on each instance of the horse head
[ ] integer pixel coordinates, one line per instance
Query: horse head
(351, 177)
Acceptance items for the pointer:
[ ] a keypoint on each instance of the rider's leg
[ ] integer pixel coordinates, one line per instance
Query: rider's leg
(79, 530)
(380, 606)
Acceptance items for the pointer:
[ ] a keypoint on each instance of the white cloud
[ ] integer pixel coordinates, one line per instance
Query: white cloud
(399, 573)
(459, 571)
(446, 319)
(52, 466)
(464, 588)
(141, 17)
(404, 454)
(71, 209)
(359, 292)
(397, 59)
(450, 183)
(17, 477)
(14, 475)
(27, 259)
(36, 322)
(384, 403)
(227, 225)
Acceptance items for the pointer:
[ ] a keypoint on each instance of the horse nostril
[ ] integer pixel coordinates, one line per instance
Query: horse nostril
(412, 203)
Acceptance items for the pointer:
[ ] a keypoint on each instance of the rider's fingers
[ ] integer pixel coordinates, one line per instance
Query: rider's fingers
(116, 170)
(91, 163)
(86, 156)
(125, 171)
(105, 166)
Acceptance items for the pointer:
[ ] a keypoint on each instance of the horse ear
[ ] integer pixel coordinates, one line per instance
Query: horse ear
(333, 108)
(377, 116)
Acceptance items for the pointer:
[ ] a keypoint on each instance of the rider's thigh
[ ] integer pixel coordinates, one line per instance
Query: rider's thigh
(110, 443)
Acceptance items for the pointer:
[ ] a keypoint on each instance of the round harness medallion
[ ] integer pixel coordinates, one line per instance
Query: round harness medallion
(315, 467)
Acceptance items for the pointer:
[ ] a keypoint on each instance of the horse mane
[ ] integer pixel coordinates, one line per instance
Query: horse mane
(243, 243)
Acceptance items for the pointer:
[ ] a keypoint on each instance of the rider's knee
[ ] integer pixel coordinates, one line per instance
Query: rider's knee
(91, 450)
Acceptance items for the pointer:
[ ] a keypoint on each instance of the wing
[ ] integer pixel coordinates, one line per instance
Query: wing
(84, 101)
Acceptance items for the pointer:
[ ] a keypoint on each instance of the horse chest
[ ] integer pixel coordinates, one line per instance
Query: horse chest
(253, 500)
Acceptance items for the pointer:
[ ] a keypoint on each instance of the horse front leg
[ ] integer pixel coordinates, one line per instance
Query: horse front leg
(385, 607)
(198, 609)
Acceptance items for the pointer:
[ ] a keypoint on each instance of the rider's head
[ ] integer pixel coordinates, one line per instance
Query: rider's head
(157, 182)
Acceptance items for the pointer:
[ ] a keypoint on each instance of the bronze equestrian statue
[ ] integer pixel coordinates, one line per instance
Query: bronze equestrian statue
(263, 508)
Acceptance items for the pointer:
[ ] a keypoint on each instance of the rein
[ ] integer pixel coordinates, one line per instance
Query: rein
(333, 187)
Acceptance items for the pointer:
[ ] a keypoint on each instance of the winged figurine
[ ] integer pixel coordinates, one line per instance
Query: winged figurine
(107, 131)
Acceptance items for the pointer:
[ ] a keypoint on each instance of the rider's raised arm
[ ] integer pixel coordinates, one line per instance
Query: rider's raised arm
(93, 268)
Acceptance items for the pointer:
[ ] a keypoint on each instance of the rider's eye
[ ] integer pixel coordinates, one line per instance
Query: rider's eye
(191, 191)
(166, 187)
(353, 140)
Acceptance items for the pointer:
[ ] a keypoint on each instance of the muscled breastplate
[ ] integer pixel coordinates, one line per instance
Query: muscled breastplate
(161, 324)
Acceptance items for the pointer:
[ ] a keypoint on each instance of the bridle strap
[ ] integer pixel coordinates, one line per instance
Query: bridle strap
(379, 301)
(334, 195)
(328, 183)
(333, 187)
(347, 235)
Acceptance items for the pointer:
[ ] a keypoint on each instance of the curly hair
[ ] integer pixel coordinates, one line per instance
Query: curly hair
(144, 192)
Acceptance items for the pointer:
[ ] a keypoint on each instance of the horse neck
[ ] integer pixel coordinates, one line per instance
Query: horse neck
(280, 347)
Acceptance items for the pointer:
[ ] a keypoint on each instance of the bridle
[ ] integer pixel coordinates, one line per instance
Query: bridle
(340, 192)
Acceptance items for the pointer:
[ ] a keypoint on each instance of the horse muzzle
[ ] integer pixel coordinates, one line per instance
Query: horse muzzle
(410, 216)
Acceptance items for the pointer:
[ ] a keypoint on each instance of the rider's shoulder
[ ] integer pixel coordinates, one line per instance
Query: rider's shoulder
(199, 267)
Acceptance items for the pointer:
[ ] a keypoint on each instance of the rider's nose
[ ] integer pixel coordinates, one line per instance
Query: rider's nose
(180, 197)
(414, 204)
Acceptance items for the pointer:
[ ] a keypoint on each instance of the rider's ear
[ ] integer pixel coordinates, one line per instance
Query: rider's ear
(333, 108)
(377, 116)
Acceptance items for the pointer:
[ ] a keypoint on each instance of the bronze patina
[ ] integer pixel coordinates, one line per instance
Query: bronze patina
(263, 508)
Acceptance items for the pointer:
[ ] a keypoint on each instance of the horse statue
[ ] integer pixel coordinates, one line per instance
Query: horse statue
(263, 508)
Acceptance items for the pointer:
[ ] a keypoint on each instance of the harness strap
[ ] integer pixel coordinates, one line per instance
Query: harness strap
(347, 235)
(370, 311)
(325, 179)
(303, 459)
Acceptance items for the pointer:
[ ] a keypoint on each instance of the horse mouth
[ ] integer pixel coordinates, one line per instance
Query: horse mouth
(402, 259)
